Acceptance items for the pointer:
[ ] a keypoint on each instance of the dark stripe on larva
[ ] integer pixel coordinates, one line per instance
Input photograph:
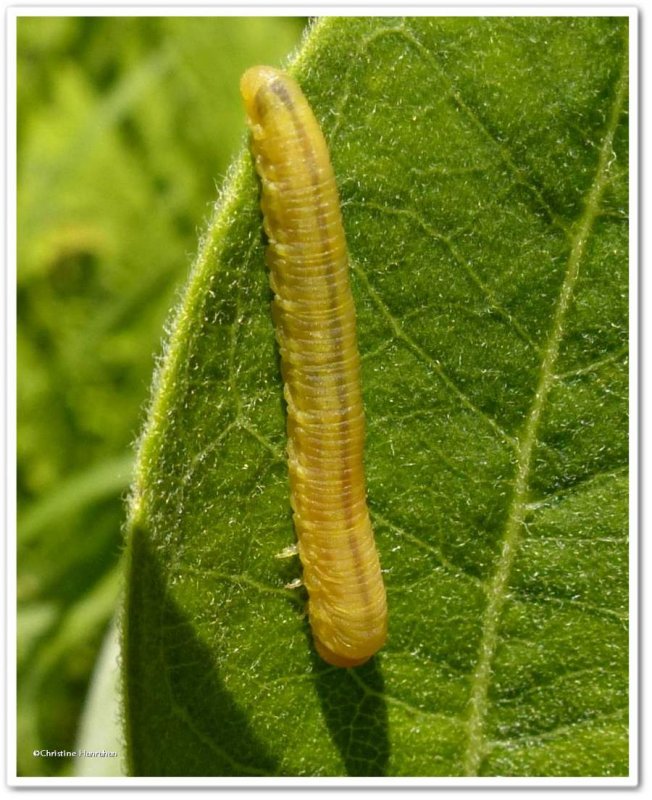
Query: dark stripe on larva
(335, 325)
(309, 268)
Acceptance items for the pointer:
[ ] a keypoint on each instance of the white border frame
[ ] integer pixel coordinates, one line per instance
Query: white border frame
(12, 14)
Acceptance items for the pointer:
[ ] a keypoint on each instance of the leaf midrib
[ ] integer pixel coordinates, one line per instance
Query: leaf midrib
(498, 585)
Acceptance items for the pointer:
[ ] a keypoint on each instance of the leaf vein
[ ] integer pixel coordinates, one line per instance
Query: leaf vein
(497, 594)
(595, 365)
(444, 562)
(430, 362)
(519, 172)
(485, 292)
(560, 731)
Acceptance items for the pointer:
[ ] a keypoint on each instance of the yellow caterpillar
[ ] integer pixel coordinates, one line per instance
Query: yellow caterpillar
(314, 318)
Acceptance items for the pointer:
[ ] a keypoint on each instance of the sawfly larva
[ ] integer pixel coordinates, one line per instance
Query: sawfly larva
(314, 318)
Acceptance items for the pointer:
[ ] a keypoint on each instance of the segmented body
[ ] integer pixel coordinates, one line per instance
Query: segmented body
(315, 326)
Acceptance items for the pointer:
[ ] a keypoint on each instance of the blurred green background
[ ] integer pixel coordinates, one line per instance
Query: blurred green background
(126, 127)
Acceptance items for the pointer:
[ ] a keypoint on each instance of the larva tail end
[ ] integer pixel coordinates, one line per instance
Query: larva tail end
(336, 659)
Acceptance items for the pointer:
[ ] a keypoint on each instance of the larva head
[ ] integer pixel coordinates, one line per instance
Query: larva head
(272, 100)
(286, 140)
(265, 90)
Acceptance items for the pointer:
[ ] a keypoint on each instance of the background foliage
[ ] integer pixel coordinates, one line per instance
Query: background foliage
(482, 165)
(125, 128)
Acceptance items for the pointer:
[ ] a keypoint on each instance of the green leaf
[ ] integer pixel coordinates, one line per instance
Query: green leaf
(482, 166)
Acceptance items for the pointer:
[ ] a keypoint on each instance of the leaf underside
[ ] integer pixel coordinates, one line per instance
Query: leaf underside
(482, 168)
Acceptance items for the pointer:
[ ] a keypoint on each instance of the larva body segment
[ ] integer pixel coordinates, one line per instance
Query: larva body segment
(314, 318)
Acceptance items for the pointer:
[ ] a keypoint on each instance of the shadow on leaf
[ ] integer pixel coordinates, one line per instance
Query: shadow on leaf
(356, 715)
(171, 678)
